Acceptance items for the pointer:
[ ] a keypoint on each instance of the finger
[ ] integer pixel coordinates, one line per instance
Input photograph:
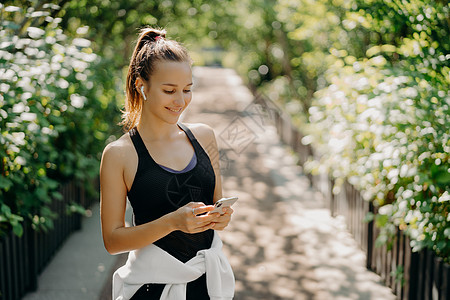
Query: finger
(223, 219)
(196, 208)
(205, 221)
(204, 227)
(195, 204)
(203, 209)
(220, 226)
(228, 210)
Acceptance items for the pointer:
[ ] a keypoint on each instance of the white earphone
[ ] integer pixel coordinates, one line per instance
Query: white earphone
(142, 92)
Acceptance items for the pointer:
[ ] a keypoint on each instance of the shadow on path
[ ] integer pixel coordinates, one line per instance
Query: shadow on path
(282, 242)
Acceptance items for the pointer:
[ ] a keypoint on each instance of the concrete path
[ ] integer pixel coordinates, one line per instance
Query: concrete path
(80, 268)
(282, 242)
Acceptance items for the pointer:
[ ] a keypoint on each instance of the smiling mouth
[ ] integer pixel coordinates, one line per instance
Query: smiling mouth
(174, 109)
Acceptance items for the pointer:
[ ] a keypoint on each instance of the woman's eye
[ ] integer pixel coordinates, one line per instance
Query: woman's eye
(169, 92)
(187, 91)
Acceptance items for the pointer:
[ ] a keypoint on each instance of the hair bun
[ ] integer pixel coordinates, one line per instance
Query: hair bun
(151, 34)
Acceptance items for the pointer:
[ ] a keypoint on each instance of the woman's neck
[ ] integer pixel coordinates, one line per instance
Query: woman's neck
(151, 129)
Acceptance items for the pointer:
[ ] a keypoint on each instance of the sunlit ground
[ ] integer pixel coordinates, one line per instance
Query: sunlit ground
(282, 243)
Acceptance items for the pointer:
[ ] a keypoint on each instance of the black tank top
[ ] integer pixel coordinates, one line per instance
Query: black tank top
(156, 192)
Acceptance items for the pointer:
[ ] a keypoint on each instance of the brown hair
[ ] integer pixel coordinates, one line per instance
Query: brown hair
(151, 46)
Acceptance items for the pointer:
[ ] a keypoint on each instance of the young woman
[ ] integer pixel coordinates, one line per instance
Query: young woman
(170, 173)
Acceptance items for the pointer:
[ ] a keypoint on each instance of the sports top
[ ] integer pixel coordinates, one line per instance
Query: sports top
(157, 191)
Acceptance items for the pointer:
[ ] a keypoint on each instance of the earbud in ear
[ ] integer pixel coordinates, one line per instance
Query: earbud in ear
(142, 92)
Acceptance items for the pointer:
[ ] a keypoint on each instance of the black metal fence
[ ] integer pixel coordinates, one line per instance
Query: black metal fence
(411, 275)
(23, 259)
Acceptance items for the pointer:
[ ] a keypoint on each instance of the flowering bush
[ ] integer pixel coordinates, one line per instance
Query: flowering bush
(387, 132)
(370, 83)
(52, 115)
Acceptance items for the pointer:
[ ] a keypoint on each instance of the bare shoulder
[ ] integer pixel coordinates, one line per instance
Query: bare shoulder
(204, 133)
(119, 150)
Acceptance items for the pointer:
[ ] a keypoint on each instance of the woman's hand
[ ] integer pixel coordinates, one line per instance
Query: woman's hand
(222, 221)
(193, 218)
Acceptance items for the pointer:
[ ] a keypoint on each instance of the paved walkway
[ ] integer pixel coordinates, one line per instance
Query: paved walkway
(282, 242)
(79, 269)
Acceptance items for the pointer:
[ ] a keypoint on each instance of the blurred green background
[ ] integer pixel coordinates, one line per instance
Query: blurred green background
(366, 81)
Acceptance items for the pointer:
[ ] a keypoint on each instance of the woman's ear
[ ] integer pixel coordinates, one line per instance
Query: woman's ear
(143, 93)
(140, 87)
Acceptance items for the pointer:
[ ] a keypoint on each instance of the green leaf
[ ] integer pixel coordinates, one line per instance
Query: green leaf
(5, 183)
(381, 240)
(49, 223)
(52, 184)
(57, 196)
(381, 220)
(17, 229)
(443, 178)
(41, 193)
(47, 213)
(369, 217)
(76, 208)
(6, 210)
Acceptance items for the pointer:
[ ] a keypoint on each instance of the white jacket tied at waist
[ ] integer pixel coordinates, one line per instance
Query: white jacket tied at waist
(151, 264)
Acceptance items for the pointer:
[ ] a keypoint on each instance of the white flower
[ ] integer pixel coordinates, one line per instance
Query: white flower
(33, 127)
(77, 100)
(35, 32)
(61, 83)
(385, 209)
(18, 108)
(28, 116)
(46, 130)
(25, 96)
(20, 161)
(80, 42)
(18, 138)
(444, 197)
(7, 75)
(407, 194)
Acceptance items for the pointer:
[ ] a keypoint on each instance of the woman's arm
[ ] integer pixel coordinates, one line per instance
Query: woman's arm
(113, 192)
(207, 139)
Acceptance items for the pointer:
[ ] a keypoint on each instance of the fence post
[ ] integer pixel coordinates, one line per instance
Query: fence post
(437, 280)
(78, 193)
(32, 258)
(429, 275)
(370, 243)
(445, 287)
(332, 197)
(412, 288)
(3, 273)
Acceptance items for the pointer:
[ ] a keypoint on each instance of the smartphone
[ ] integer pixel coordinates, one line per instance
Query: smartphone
(224, 202)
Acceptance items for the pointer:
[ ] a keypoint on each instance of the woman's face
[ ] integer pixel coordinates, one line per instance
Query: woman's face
(169, 90)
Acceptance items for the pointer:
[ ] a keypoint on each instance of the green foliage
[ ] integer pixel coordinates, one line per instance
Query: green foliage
(399, 275)
(52, 116)
(61, 88)
(387, 116)
(369, 80)
(76, 208)
(113, 25)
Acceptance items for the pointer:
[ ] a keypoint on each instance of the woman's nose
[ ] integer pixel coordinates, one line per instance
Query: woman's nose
(180, 99)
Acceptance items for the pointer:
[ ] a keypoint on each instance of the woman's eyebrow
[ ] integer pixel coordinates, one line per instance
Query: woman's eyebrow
(172, 84)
